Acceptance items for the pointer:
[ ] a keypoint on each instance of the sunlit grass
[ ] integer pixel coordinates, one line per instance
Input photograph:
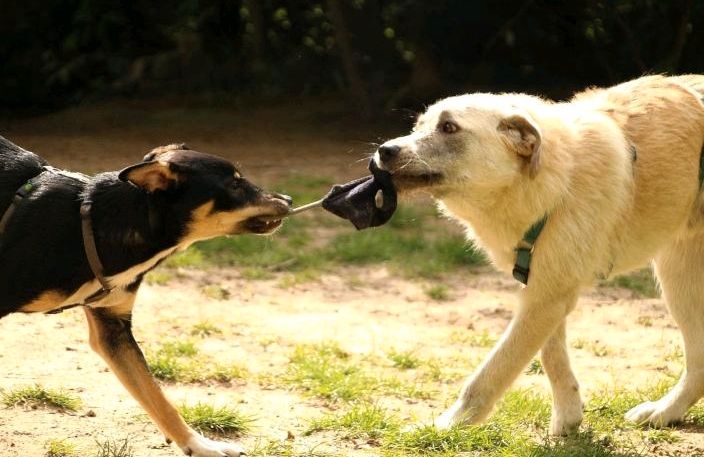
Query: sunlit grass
(641, 282)
(405, 360)
(114, 448)
(213, 420)
(40, 396)
(60, 448)
(328, 372)
(414, 243)
(204, 329)
(181, 361)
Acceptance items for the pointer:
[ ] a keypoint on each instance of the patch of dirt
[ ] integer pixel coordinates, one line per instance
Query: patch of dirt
(262, 322)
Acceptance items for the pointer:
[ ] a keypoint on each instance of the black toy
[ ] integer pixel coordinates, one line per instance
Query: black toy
(365, 202)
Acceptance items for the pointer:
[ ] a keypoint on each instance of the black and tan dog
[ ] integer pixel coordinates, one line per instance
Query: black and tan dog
(67, 239)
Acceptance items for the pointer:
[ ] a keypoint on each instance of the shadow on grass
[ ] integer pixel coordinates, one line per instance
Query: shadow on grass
(414, 243)
(583, 444)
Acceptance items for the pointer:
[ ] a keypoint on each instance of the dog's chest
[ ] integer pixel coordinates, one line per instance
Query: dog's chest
(119, 283)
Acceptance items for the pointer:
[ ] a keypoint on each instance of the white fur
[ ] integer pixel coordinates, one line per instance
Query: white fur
(606, 214)
(199, 446)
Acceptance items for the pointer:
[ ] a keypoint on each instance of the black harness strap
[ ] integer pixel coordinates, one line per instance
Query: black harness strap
(86, 229)
(21, 193)
(91, 249)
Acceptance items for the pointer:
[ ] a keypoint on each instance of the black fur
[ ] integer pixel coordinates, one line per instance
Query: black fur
(42, 247)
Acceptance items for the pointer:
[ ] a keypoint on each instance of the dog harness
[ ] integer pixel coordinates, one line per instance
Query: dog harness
(89, 246)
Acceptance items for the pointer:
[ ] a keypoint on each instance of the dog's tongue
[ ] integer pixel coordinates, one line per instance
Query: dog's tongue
(356, 200)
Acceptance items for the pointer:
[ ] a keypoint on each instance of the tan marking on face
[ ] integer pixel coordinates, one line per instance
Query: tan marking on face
(208, 224)
(51, 299)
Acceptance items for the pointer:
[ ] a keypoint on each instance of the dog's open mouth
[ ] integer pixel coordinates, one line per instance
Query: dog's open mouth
(273, 210)
(262, 224)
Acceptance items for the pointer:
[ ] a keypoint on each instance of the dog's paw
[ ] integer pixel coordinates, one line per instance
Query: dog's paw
(445, 421)
(199, 446)
(565, 422)
(655, 413)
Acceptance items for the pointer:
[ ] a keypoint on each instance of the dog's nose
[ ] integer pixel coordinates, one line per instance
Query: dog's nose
(285, 198)
(388, 152)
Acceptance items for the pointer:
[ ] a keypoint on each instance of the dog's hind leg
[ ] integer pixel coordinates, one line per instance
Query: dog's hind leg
(680, 269)
(566, 402)
(111, 337)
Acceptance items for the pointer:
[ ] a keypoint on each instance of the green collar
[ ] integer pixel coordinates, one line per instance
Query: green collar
(524, 251)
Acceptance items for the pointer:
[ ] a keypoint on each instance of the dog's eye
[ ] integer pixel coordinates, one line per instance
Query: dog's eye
(449, 127)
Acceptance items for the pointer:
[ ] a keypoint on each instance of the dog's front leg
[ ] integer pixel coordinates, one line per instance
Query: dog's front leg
(536, 320)
(111, 337)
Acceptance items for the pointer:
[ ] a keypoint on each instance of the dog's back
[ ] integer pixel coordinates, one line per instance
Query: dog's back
(695, 82)
(16, 167)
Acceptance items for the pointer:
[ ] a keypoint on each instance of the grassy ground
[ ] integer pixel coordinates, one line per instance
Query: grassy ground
(417, 246)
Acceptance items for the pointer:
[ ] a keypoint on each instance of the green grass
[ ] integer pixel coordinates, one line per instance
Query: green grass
(277, 448)
(212, 420)
(173, 361)
(323, 371)
(641, 282)
(482, 339)
(363, 420)
(535, 367)
(227, 373)
(180, 348)
(181, 361)
(216, 292)
(60, 448)
(204, 329)
(438, 292)
(38, 396)
(518, 427)
(404, 360)
(415, 242)
(114, 448)
(160, 277)
(327, 372)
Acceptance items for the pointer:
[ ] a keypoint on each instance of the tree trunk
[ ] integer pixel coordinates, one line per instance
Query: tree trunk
(347, 56)
(672, 62)
(256, 16)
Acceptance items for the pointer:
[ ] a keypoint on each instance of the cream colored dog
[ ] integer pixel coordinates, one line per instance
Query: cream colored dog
(616, 172)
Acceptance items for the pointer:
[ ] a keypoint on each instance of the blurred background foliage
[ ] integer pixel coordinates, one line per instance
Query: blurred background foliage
(381, 54)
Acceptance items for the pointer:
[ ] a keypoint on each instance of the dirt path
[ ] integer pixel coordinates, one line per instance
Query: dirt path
(263, 321)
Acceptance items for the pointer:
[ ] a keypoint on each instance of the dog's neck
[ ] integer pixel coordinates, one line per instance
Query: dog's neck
(497, 218)
(130, 225)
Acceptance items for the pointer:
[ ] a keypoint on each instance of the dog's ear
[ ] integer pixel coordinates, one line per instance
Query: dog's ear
(150, 176)
(156, 152)
(524, 136)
